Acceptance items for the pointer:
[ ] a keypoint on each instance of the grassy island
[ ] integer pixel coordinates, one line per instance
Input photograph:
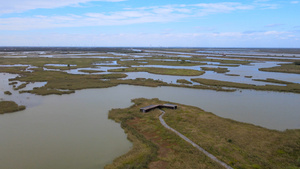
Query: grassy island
(162, 71)
(284, 68)
(238, 144)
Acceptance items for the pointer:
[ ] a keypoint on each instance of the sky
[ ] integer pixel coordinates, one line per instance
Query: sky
(155, 23)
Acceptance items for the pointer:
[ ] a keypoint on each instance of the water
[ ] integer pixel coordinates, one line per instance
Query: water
(70, 131)
(281, 52)
(106, 63)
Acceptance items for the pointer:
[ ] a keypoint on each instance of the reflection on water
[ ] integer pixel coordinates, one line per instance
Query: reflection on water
(106, 63)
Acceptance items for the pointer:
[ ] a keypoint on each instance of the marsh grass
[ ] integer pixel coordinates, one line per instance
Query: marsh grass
(61, 67)
(161, 71)
(238, 144)
(284, 68)
(9, 107)
(13, 70)
(91, 71)
(179, 62)
(232, 75)
(183, 81)
(290, 87)
(7, 93)
(58, 80)
(62, 80)
(273, 81)
(41, 62)
(21, 86)
(13, 83)
(217, 70)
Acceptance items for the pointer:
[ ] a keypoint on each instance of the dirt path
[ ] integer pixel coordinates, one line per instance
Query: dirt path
(191, 142)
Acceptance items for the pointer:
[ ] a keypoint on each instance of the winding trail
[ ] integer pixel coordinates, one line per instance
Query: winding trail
(162, 121)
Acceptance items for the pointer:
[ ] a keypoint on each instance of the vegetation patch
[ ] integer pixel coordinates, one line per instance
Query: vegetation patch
(140, 82)
(40, 62)
(9, 107)
(291, 87)
(270, 80)
(21, 86)
(183, 81)
(7, 93)
(90, 71)
(217, 70)
(232, 75)
(13, 70)
(162, 71)
(57, 81)
(238, 144)
(178, 62)
(60, 67)
(13, 83)
(284, 68)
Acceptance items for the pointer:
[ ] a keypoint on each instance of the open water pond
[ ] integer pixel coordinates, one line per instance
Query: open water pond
(70, 131)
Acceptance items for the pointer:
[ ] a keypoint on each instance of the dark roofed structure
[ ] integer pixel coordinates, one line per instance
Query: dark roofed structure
(151, 107)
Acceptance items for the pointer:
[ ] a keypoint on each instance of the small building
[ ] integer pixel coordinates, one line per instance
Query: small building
(148, 108)
(151, 107)
(170, 106)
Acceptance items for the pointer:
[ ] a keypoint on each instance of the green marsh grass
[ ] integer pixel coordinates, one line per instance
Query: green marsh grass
(9, 107)
(291, 87)
(238, 144)
(161, 71)
(284, 68)
(183, 81)
(217, 70)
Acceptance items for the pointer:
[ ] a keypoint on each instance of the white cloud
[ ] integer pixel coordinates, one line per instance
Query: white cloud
(263, 4)
(156, 14)
(16, 6)
(294, 2)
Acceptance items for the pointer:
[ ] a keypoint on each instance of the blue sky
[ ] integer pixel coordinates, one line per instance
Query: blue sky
(155, 23)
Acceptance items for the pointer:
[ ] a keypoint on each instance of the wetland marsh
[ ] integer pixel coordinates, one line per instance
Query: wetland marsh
(79, 87)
